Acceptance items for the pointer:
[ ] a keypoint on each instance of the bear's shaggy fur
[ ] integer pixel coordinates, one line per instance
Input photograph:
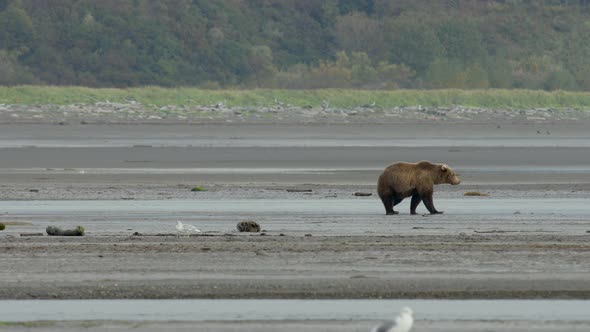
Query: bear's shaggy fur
(401, 180)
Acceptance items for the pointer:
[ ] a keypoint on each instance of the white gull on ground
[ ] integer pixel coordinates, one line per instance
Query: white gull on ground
(186, 229)
(401, 323)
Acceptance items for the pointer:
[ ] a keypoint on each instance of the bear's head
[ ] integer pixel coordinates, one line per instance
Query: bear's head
(447, 175)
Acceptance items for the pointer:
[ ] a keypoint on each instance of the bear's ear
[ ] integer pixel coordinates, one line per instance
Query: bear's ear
(444, 167)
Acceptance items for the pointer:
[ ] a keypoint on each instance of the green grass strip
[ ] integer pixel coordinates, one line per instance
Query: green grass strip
(340, 98)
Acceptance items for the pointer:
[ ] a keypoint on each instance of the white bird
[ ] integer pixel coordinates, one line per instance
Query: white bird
(187, 229)
(401, 323)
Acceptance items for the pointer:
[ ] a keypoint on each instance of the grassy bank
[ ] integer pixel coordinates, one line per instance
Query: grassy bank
(512, 99)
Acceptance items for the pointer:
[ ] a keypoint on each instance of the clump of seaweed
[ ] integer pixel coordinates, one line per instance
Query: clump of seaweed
(198, 188)
(2, 227)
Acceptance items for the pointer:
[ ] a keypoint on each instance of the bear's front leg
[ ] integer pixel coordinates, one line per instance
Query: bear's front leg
(416, 199)
(429, 203)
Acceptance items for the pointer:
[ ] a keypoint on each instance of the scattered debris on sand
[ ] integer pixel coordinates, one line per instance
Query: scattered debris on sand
(134, 112)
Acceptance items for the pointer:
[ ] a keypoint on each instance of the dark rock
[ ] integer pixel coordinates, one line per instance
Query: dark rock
(248, 226)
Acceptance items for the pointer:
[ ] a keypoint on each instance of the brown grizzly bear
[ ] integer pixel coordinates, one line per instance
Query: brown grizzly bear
(401, 180)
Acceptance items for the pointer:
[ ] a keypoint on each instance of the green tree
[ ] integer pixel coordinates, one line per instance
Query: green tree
(362, 72)
(392, 76)
(461, 41)
(359, 33)
(261, 65)
(443, 73)
(414, 45)
(560, 79)
(575, 52)
(499, 72)
(16, 28)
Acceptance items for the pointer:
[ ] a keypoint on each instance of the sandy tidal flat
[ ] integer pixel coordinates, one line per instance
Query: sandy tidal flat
(527, 239)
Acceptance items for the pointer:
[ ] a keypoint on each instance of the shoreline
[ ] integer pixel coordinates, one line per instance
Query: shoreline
(112, 113)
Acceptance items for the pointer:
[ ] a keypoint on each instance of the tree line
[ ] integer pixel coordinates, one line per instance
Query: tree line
(294, 44)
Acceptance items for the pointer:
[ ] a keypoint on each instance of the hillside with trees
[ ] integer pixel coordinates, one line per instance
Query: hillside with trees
(294, 44)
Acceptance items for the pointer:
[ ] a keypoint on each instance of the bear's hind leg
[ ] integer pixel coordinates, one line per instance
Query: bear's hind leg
(388, 204)
(416, 199)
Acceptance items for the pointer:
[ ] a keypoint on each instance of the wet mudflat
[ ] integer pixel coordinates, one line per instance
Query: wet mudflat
(292, 315)
(527, 239)
(327, 216)
(291, 310)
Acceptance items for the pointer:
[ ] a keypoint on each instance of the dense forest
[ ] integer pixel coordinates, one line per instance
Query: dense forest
(297, 44)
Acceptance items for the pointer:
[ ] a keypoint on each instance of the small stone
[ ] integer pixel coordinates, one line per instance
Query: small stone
(362, 194)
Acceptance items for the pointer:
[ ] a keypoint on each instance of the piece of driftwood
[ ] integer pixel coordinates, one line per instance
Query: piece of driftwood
(56, 231)
(476, 193)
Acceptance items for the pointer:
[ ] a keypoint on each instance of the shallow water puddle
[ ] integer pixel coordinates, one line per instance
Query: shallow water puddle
(230, 310)
(369, 206)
